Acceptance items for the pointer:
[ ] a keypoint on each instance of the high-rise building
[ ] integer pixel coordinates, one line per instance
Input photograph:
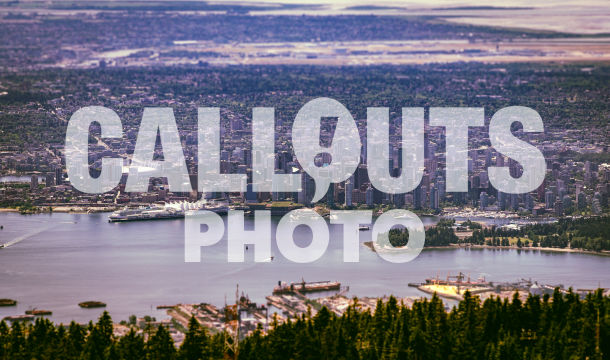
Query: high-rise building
(426, 146)
(483, 200)
(440, 186)
(330, 196)
(49, 179)
(567, 203)
(587, 171)
(251, 196)
(349, 187)
(302, 195)
(549, 199)
(499, 160)
(529, 202)
(502, 200)
(369, 196)
(360, 176)
(59, 176)
(34, 183)
(398, 200)
(558, 207)
(514, 201)
(434, 200)
(419, 197)
(581, 200)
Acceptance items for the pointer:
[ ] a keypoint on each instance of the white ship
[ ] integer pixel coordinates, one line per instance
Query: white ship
(145, 213)
(168, 211)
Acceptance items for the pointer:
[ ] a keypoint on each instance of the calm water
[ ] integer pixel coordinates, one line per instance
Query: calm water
(63, 259)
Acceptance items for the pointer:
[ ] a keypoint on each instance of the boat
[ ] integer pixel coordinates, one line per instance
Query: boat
(92, 304)
(37, 312)
(306, 287)
(8, 302)
(167, 211)
(146, 213)
(23, 318)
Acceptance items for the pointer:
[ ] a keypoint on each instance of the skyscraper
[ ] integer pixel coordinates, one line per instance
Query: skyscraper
(34, 183)
(349, 187)
(369, 196)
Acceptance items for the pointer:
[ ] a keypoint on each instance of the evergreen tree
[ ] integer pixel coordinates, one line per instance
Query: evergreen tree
(195, 345)
(131, 346)
(161, 346)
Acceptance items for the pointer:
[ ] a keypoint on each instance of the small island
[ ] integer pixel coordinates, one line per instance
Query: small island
(8, 302)
(92, 304)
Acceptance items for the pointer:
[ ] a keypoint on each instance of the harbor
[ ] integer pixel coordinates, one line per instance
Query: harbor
(289, 302)
(240, 316)
(143, 263)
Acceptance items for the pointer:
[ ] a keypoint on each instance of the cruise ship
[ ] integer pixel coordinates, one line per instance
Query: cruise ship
(146, 213)
(167, 211)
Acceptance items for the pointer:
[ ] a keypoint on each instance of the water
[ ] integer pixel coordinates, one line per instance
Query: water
(64, 259)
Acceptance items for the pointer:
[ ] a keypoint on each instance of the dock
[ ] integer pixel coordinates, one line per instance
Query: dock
(454, 289)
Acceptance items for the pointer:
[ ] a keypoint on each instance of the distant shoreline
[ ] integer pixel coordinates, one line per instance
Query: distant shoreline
(369, 244)
(61, 209)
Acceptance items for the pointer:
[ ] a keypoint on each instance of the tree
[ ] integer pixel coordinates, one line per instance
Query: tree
(131, 346)
(161, 346)
(195, 345)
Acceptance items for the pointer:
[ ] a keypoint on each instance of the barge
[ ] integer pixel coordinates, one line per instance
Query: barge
(306, 287)
(92, 304)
